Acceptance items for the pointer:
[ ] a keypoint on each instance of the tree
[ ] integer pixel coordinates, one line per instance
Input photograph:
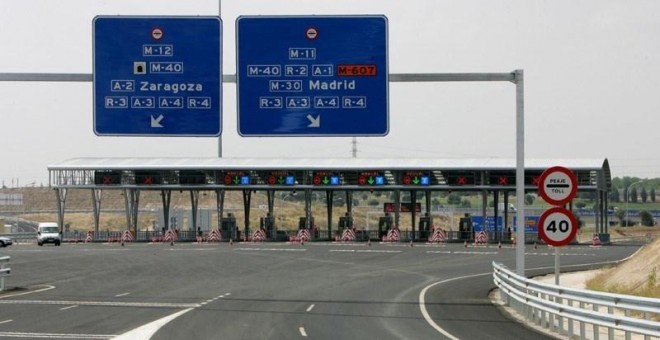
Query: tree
(643, 195)
(652, 194)
(646, 218)
(633, 195)
(614, 195)
(454, 199)
(529, 199)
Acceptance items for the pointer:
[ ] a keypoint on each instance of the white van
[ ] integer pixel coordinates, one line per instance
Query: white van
(48, 232)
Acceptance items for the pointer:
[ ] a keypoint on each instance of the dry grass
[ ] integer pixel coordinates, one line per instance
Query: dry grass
(637, 276)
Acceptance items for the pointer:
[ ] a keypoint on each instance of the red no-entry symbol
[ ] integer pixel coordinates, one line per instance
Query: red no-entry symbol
(271, 180)
(317, 180)
(362, 180)
(407, 180)
(227, 180)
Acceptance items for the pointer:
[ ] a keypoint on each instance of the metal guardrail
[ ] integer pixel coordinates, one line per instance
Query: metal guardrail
(4, 271)
(558, 308)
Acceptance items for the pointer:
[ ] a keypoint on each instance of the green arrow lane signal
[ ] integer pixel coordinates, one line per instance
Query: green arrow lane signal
(416, 180)
(236, 180)
(326, 180)
(280, 180)
(371, 180)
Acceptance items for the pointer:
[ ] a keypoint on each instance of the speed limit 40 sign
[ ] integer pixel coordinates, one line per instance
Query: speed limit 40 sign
(557, 226)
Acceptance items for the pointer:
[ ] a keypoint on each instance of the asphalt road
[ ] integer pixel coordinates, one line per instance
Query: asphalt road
(267, 291)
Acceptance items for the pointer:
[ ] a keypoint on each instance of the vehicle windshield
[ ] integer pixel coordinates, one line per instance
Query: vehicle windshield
(49, 230)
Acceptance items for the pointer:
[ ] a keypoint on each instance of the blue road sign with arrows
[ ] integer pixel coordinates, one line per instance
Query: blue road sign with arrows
(157, 76)
(312, 76)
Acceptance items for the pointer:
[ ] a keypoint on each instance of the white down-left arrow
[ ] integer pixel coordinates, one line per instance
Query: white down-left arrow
(155, 122)
(314, 122)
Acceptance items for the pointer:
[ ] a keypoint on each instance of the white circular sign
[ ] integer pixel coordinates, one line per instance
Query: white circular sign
(157, 33)
(557, 226)
(312, 33)
(557, 185)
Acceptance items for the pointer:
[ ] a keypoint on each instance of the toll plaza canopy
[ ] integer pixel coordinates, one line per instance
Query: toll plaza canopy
(491, 175)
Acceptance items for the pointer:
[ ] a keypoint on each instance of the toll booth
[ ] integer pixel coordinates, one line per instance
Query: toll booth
(345, 222)
(267, 223)
(384, 224)
(465, 227)
(228, 228)
(425, 223)
(303, 221)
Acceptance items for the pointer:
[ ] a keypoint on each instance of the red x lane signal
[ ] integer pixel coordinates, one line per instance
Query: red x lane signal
(503, 180)
(461, 180)
(148, 180)
(107, 180)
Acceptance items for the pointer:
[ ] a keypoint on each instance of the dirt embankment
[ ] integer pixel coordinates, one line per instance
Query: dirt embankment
(636, 276)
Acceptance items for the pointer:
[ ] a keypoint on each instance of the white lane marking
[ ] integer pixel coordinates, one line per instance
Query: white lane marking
(54, 335)
(272, 249)
(425, 313)
(302, 331)
(30, 292)
(148, 330)
(122, 294)
(6, 321)
(101, 303)
(363, 251)
(65, 308)
(309, 309)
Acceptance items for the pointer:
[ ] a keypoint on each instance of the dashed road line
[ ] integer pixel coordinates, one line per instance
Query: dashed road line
(101, 303)
(6, 321)
(309, 309)
(363, 251)
(272, 249)
(122, 294)
(69, 307)
(302, 331)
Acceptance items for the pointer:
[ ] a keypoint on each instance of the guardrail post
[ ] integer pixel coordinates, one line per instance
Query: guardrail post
(595, 327)
(4, 271)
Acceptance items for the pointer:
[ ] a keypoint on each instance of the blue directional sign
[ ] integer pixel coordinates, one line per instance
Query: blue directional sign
(312, 76)
(157, 76)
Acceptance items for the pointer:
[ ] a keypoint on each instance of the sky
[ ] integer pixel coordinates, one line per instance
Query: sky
(592, 82)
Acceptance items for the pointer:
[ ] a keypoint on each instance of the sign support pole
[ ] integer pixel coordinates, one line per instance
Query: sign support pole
(557, 271)
(520, 172)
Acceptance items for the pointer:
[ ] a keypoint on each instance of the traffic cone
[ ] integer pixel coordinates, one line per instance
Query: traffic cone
(465, 244)
(369, 243)
(302, 242)
(535, 245)
(231, 242)
(499, 245)
(411, 243)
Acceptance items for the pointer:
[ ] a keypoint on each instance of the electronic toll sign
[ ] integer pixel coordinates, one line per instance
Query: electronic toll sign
(460, 178)
(326, 178)
(237, 178)
(371, 178)
(281, 178)
(418, 178)
(312, 75)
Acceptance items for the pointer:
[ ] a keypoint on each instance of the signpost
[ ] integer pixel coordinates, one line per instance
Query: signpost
(157, 76)
(557, 226)
(312, 76)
